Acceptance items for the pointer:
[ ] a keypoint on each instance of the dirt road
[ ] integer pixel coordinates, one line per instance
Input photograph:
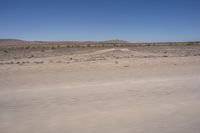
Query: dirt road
(134, 96)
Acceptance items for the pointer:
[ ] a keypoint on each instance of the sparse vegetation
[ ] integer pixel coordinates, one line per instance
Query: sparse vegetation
(5, 51)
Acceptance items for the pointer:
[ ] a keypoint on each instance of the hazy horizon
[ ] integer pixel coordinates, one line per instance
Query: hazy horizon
(97, 40)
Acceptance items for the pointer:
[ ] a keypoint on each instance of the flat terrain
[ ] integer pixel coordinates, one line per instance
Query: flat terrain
(143, 89)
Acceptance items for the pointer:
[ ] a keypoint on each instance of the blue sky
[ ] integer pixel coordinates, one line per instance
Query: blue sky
(132, 20)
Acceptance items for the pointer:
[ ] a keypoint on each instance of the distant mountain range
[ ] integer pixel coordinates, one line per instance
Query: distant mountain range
(18, 41)
(10, 42)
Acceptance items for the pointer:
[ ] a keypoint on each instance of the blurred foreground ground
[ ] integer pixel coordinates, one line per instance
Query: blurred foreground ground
(101, 90)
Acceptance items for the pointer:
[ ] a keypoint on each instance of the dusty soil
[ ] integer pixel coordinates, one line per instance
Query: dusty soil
(12, 54)
(147, 89)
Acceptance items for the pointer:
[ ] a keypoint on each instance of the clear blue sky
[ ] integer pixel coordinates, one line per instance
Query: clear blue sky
(132, 20)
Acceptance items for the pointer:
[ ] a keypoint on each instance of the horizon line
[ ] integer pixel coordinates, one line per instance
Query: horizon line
(30, 40)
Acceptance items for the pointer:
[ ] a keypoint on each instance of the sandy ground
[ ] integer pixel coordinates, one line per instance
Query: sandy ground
(130, 94)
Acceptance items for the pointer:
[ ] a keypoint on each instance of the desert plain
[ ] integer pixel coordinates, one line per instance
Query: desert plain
(103, 89)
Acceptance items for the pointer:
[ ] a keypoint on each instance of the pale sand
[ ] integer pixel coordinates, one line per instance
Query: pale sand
(130, 95)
